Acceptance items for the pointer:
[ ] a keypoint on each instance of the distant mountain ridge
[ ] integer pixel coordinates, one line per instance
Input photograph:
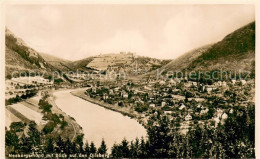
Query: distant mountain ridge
(235, 51)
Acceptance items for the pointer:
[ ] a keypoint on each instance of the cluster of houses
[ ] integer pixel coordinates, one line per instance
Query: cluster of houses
(166, 93)
(168, 96)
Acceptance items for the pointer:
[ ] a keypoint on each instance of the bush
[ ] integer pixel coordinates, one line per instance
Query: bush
(8, 76)
(63, 124)
(49, 127)
(45, 105)
(120, 104)
(13, 100)
(141, 108)
(17, 126)
(55, 118)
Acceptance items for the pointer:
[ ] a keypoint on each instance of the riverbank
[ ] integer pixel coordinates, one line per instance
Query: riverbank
(28, 110)
(99, 122)
(73, 129)
(122, 110)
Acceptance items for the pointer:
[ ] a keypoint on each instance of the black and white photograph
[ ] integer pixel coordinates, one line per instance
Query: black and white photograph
(128, 80)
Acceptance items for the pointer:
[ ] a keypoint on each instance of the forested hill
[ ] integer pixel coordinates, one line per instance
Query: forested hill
(235, 51)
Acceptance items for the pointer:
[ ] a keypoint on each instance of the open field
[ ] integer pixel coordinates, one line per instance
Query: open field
(28, 113)
(10, 117)
(31, 106)
(18, 114)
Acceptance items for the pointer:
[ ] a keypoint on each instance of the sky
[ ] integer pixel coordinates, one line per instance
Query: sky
(78, 31)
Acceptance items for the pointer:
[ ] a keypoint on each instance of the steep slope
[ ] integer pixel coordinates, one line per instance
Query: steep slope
(48, 57)
(59, 63)
(20, 57)
(80, 64)
(235, 52)
(180, 63)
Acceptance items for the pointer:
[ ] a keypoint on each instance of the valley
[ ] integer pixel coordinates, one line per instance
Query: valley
(203, 98)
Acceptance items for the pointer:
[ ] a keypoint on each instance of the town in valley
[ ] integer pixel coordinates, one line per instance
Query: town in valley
(199, 105)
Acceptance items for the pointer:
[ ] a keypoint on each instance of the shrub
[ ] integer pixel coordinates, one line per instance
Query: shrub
(49, 127)
(63, 124)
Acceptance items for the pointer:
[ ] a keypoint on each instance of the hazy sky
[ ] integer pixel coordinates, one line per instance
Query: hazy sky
(161, 31)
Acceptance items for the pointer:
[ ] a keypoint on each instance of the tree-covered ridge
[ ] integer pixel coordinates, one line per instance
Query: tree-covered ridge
(235, 47)
(234, 52)
(236, 43)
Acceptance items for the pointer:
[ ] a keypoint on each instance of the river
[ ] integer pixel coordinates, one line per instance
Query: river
(98, 122)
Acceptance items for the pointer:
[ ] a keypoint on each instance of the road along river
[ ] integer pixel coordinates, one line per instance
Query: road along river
(98, 122)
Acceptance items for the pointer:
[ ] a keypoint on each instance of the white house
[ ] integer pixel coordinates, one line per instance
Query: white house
(188, 117)
(125, 95)
(152, 105)
(210, 88)
(204, 111)
(233, 81)
(171, 81)
(182, 106)
(194, 83)
(105, 96)
(163, 104)
(162, 82)
(243, 82)
(167, 112)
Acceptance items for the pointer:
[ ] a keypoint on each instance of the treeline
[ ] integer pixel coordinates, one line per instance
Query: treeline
(17, 98)
(36, 142)
(232, 139)
(33, 141)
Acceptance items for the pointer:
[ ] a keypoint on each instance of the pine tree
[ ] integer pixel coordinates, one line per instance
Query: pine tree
(133, 150)
(11, 140)
(79, 143)
(34, 134)
(73, 148)
(60, 145)
(67, 146)
(103, 148)
(137, 147)
(93, 149)
(125, 148)
(25, 144)
(49, 146)
(87, 149)
(143, 149)
(115, 151)
(159, 136)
